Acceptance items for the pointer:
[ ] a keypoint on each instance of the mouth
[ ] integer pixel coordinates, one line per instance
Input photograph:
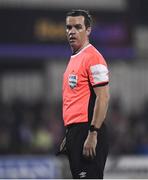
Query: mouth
(72, 39)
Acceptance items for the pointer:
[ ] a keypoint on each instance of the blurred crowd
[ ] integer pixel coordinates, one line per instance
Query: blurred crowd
(38, 128)
(30, 128)
(128, 131)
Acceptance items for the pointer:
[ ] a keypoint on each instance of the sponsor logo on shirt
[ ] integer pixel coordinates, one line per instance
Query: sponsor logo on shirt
(72, 80)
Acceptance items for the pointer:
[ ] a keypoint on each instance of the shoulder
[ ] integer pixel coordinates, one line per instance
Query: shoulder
(93, 56)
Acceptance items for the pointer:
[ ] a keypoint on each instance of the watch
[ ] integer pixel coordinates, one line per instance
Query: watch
(93, 128)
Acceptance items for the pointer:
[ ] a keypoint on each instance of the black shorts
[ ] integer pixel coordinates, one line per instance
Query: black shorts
(79, 165)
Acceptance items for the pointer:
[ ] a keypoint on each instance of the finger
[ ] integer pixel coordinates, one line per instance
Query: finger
(94, 152)
(91, 153)
(86, 152)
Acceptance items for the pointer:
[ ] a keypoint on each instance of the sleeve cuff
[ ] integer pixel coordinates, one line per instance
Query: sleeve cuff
(101, 84)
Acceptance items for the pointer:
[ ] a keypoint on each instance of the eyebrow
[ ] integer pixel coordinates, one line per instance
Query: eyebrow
(76, 26)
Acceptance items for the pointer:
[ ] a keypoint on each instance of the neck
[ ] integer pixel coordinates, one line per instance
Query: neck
(75, 51)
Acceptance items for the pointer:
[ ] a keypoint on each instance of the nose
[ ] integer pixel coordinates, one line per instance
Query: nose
(72, 30)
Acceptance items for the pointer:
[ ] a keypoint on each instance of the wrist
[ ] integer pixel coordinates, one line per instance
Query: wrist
(92, 128)
(93, 133)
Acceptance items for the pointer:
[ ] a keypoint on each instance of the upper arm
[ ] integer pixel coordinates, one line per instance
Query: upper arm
(97, 71)
(102, 91)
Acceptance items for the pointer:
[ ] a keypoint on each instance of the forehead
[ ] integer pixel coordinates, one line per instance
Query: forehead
(75, 20)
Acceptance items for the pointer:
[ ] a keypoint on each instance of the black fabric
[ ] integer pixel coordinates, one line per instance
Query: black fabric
(102, 84)
(79, 165)
(91, 103)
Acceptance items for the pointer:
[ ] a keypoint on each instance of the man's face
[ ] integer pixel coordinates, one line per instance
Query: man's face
(77, 34)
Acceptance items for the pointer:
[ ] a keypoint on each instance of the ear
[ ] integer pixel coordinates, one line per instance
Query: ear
(88, 31)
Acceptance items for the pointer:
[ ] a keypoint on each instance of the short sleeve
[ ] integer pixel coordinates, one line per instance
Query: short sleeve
(97, 70)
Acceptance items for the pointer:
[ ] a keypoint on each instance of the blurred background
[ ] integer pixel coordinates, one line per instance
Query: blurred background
(33, 56)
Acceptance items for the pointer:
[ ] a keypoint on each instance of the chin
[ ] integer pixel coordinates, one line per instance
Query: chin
(74, 46)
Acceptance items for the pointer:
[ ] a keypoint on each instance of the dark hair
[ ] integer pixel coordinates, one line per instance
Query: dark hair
(84, 13)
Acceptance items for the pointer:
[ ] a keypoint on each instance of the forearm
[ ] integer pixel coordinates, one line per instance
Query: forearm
(100, 109)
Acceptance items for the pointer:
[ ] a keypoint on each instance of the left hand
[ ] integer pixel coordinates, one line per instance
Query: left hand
(89, 148)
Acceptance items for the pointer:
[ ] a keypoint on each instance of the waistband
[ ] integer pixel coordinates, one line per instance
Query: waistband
(85, 124)
(77, 124)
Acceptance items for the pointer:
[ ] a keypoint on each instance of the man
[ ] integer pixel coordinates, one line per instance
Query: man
(85, 101)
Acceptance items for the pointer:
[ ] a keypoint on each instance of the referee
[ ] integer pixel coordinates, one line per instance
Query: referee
(85, 101)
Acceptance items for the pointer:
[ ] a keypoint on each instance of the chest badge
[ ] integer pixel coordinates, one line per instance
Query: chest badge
(73, 79)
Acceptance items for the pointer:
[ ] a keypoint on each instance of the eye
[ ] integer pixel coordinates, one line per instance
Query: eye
(68, 27)
(78, 26)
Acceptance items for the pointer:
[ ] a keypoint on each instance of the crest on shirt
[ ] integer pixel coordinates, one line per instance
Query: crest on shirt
(72, 80)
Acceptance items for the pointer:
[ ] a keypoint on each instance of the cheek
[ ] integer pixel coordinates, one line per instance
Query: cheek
(83, 36)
